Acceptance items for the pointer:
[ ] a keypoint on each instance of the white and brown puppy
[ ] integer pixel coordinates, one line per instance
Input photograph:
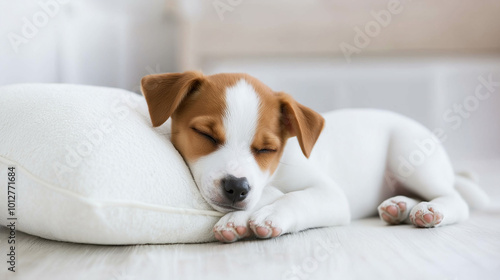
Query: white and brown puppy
(235, 133)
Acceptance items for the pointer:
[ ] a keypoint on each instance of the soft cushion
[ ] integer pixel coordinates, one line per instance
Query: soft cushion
(90, 168)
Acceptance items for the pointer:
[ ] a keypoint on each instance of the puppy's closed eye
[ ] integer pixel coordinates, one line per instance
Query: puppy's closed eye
(206, 135)
(264, 151)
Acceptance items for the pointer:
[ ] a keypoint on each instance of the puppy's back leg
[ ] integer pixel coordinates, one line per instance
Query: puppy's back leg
(421, 165)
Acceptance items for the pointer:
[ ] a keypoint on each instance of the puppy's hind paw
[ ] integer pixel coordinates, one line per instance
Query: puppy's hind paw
(426, 215)
(394, 210)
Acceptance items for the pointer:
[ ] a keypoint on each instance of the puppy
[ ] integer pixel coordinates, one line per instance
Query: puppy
(250, 151)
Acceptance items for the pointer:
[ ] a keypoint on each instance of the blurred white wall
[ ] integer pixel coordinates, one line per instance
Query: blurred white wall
(109, 43)
(235, 28)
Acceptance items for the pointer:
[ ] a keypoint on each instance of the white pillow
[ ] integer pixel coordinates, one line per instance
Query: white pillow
(90, 168)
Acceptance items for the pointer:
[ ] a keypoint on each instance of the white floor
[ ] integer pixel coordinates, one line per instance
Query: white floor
(367, 249)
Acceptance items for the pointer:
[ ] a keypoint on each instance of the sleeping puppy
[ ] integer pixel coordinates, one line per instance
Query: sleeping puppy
(250, 151)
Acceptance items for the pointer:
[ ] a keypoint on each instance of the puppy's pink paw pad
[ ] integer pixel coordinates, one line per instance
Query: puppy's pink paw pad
(428, 218)
(276, 232)
(229, 236)
(241, 230)
(261, 231)
(393, 212)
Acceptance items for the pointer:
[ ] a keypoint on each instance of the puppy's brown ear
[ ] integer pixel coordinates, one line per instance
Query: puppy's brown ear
(164, 92)
(301, 121)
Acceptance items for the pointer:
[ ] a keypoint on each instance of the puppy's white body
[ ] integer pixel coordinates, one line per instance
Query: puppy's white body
(353, 151)
(362, 158)
(238, 138)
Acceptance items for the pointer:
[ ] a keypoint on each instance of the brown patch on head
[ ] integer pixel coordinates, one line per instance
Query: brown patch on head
(196, 104)
(197, 124)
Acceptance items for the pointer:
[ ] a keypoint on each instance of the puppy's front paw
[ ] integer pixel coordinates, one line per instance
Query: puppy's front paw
(232, 227)
(266, 223)
(265, 230)
(426, 215)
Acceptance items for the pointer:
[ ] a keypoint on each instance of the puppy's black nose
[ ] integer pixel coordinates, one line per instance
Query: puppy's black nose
(235, 189)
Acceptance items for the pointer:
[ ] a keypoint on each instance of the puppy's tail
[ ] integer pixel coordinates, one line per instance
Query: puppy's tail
(466, 185)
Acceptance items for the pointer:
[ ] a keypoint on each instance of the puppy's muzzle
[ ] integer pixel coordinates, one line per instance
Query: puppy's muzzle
(235, 189)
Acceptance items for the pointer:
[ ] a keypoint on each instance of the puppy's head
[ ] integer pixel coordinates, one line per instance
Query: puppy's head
(231, 130)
